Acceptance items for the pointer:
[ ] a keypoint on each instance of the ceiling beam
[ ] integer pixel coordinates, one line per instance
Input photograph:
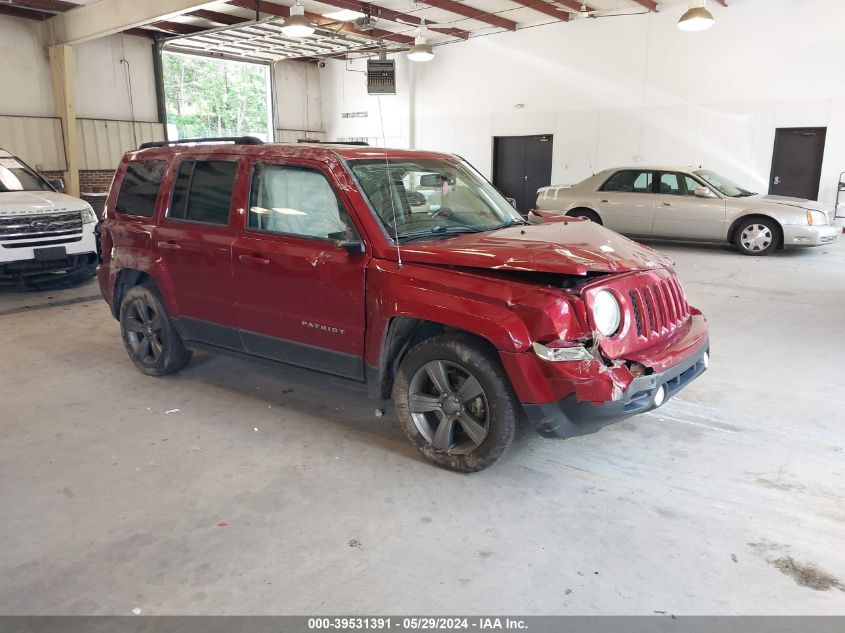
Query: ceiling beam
(28, 14)
(651, 5)
(396, 16)
(469, 12)
(284, 12)
(219, 18)
(42, 5)
(544, 7)
(177, 27)
(104, 17)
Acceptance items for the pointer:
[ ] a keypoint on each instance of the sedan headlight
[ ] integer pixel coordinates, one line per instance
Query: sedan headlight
(88, 216)
(607, 315)
(816, 218)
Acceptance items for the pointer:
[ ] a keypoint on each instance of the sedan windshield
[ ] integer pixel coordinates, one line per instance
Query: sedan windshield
(15, 176)
(725, 185)
(429, 198)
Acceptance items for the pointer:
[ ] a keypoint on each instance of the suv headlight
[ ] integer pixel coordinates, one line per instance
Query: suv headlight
(607, 315)
(816, 218)
(88, 215)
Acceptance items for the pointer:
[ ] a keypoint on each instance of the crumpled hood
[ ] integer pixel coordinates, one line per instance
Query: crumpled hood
(571, 247)
(36, 202)
(786, 201)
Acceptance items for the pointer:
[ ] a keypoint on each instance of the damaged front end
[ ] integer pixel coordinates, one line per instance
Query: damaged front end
(626, 360)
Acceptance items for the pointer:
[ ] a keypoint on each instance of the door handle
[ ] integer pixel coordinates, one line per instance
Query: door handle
(777, 180)
(604, 200)
(169, 246)
(666, 204)
(254, 259)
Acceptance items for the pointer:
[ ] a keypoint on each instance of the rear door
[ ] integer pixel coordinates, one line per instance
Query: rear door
(194, 239)
(299, 296)
(680, 214)
(626, 201)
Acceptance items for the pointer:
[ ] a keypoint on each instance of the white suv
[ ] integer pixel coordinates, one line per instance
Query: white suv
(45, 236)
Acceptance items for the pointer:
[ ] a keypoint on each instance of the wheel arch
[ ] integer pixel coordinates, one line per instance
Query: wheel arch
(749, 216)
(585, 209)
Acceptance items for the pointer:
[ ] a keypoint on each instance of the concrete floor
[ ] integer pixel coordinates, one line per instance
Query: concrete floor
(241, 488)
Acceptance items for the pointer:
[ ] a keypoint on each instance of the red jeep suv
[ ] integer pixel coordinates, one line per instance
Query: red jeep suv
(404, 270)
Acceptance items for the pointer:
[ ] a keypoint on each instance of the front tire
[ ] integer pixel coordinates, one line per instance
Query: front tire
(455, 402)
(757, 236)
(151, 340)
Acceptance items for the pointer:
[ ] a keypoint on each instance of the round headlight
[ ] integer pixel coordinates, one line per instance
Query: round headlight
(606, 313)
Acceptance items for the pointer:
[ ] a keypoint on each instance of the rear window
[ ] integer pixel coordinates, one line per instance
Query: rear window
(139, 187)
(203, 191)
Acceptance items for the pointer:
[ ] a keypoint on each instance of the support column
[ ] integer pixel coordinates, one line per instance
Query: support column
(63, 70)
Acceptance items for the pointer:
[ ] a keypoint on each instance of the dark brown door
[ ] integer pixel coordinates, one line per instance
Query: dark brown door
(797, 162)
(521, 165)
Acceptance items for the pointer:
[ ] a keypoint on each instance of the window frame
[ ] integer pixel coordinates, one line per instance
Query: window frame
(177, 167)
(161, 185)
(654, 179)
(302, 167)
(683, 175)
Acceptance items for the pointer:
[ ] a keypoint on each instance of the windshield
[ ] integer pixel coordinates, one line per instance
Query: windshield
(426, 198)
(15, 176)
(725, 185)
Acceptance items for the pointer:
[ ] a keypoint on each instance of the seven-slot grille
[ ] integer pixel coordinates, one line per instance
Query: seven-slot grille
(18, 231)
(659, 308)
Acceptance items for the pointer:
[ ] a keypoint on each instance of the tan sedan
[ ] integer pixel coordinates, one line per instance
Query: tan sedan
(696, 205)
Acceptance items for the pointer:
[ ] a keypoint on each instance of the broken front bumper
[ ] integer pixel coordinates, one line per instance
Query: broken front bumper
(570, 417)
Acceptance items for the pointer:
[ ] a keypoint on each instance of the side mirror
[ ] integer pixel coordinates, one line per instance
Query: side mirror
(58, 184)
(703, 192)
(353, 247)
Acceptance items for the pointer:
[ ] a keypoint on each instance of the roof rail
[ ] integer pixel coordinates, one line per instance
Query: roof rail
(237, 140)
(317, 142)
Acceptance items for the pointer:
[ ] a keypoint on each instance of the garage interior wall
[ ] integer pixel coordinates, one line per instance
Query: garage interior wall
(623, 90)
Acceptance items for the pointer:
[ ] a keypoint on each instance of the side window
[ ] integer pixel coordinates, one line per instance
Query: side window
(139, 187)
(692, 185)
(670, 184)
(613, 183)
(629, 181)
(292, 200)
(203, 191)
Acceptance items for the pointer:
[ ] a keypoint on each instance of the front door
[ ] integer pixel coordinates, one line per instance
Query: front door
(521, 166)
(797, 162)
(194, 239)
(299, 296)
(679, 213)
(626, 201)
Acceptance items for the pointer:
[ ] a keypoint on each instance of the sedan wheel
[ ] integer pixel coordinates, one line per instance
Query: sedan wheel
(757, 237)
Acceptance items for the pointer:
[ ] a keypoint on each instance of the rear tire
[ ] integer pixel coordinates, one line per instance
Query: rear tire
(151, 340)
(587, 214)
(455, 402)
(757, 236)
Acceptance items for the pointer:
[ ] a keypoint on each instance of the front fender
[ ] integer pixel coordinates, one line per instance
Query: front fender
(149, 263)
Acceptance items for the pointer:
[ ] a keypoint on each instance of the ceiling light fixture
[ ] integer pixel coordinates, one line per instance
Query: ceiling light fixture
(297, 25)
(421, 51)
(697, 18)
(344, 15)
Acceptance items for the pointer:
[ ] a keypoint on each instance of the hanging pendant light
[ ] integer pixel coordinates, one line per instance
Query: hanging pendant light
(697, 18)
(297, 25)
(421, 51)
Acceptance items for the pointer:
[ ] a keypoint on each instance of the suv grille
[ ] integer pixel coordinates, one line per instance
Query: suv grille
(19, 231)
(658, 308)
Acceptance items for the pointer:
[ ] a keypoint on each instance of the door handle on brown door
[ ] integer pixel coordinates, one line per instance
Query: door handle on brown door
(169, 246)
(254, 259)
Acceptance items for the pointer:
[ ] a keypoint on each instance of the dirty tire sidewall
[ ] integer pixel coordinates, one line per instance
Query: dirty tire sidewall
(769, 224)
(174, 356)
(480, 359)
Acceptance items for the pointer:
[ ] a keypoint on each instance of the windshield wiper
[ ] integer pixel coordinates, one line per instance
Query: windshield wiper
(441, 231)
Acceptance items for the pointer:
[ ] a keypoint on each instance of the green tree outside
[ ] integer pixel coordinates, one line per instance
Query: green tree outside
(215, 97)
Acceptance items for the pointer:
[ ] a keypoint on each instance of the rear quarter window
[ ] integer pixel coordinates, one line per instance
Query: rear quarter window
(139, 188)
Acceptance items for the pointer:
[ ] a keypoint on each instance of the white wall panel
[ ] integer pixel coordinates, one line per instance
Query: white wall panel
(37, 140)
(103, 143)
